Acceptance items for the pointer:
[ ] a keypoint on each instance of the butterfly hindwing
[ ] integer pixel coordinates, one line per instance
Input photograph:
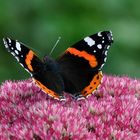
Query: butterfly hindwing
(81, 64)
(47, 80)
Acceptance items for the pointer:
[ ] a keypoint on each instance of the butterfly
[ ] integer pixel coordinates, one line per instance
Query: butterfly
(78, 71)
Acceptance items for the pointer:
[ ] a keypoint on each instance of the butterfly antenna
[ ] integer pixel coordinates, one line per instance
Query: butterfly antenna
(55, 45)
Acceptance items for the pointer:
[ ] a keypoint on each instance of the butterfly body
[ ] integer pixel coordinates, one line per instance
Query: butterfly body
(77, 71)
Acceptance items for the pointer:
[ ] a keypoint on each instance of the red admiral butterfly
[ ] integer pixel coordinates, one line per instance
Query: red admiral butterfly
(77, 71)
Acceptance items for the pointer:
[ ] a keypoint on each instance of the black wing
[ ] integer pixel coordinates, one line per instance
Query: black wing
(81, 64)
(43, 75)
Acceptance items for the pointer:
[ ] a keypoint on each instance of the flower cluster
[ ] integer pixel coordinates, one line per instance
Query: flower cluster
(112, 112)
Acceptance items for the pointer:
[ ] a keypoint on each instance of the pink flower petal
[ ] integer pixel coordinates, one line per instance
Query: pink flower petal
(113, 112)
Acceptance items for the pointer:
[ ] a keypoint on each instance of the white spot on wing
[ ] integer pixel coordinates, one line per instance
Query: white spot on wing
(111, 33)
(99, 46)
(89, 41)
(102, 66)
(80, 98)
(105, 59)
(108, 47)
(18, 46)
(106, 52)
(9, 40)
(94, 51)
(27, 70)
(5, 43)
(21, 65)
(13, 53)
(17, 58)
(99, 34)
(16, 52)
(6, 46)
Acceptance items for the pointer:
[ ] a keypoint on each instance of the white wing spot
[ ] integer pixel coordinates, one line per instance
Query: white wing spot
(101, 66)
(9, 40)
(94, 51)
(18, 46)
(16, 52)
(99, 34)
(108, 47)
(6, 46)
(106, 52)
(17, 58)
(21, 55)
(27, 70)
(89, 41)
(21, 64)
(13, 53)
(99, 46)
(5, 43)
(105, 59)
(111, 33)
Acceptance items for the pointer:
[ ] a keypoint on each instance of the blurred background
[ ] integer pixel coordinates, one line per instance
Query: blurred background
(39, 23)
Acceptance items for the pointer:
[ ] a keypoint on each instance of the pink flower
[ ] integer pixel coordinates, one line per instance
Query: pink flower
(112, 112)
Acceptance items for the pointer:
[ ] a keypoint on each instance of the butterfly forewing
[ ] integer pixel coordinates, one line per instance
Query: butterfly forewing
(94, 48)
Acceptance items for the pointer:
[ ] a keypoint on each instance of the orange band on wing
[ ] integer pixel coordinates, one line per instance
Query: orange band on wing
(93, 85)
(46, 90)
(91, 58)
(28, 60)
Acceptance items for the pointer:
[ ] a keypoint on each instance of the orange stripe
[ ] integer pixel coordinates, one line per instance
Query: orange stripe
(46, 90)
(93, 85)
(91, 58)
(28, 60)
